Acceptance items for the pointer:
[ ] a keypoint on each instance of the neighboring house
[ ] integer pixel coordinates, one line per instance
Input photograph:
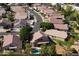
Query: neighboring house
(60, 35)
(17, 9)
(11, 42)
(61, 26)
(19, 12)
(39, 38)
(50, 14)
(57, 15)
(42, 8)
(2, 11)
(20, 15)
(55, 21)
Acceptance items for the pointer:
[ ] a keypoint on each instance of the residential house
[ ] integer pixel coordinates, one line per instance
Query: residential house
(55, 21)
(56, 34)
(20, 16)
(61, 26)
(39, 38)
(57, 15)
(17, 9)
(19, 12)
(11, 42)
(42, 8)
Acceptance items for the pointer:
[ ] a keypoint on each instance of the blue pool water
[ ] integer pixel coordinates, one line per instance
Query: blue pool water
(1, 27)
(35, 52)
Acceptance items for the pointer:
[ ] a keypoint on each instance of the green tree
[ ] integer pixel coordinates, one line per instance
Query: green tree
(68, 10)
(46, 25)
(6, 6)
(28, 49)
(58, 6)
(25, 33)
(43, 50)
(51, 50)
(10, 17)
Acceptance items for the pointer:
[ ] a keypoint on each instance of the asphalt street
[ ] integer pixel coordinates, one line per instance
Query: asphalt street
(39, 20)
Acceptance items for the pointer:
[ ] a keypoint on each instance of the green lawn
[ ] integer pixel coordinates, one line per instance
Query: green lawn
(66, 43)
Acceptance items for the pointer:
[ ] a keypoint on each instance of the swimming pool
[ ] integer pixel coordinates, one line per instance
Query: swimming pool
(35, 52)
(1, 27)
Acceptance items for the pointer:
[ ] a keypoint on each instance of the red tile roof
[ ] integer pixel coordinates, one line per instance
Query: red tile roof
(61, 26)
(56, 33)
(55, 21)
(9, 39)
(20, 12)
(36, 36)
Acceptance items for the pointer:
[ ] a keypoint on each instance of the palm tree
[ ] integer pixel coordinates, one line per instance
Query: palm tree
(68, 10)
(43, 50)
(51, 50)
(28, 49)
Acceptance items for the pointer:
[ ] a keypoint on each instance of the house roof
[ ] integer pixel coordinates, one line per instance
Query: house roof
(61, 26)
(58, 15)
(48, 11)
(55, 21)
(17, 9)
(20, 15)
(8, 39)
(36, 36)
(59, 49)
(2, 11)
(20, 12)
(56, 33)
(42, 8)
(45, 9)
